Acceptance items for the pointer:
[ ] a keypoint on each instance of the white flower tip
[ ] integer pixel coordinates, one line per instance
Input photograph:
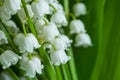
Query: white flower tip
(79, 9)
(6, 66)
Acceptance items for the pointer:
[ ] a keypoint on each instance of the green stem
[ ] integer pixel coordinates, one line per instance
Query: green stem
(71, 62)
(53, 8)
(13, 74)
(58, 71)
(8, 37)
(72, 16)
(31, 26)
(72, 65)
(64, 72)
(68, 71)
(49, 69)
(66, 6)
(24, 29)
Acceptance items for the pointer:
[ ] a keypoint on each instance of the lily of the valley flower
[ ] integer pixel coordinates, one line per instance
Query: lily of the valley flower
(39, 25)
(11, 26)
(31, 66)
(40, 8)
(49, 32)
(57, 6)
(83, 39)
(12, 6)
(8, 58)
(77, 26)
(4, 15)
(59, 18)
(3, 38)
(79, 9)
(59, 57)
(62, 42)
(26, 43)
(22, 15)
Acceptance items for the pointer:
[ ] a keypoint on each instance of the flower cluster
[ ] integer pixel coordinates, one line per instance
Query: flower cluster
(77, 27)
(29, 25)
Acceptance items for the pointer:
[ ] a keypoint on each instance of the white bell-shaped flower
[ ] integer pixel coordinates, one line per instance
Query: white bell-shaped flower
(40, 8)
(66, 40)
(12, 6)
(39, 25)
(57, 7)
(11, 26)
(31, 66)
(62, 42)
(83, 39)
(8, 58)
(59, 57)
(49, 32)
(3, 38)
(79, 9)
(4, 14)
(26, 43)
(76, 26)
(59, 18)
(22, 15)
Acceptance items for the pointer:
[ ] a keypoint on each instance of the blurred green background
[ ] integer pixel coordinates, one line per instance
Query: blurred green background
(102, 61)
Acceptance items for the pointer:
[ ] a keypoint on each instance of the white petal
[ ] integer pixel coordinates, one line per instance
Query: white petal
(31, 66)
(8, 58)
(59, 18)
(26, 43)
(49, 32)
(59, 57)
(83, 39)
(79, 9)
(40, 8)
(3, 38)
(77, 26)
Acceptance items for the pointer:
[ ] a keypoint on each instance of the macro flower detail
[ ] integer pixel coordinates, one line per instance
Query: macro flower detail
(77, 26)
(26, 43)
(59, 18)
(3, 38)
(59, 57)
(79, 9)
(49, 32)
(22, 15)
(57, 6)
(40, 8)
(8, 58)
(4, 15)
(38, 38)
(31, 66)
(83, 39)
(13, 5)
(62, 42)
(10, 7)
(11, 26)
(39, 24)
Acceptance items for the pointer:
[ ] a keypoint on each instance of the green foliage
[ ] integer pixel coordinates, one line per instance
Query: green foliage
(102, 61)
